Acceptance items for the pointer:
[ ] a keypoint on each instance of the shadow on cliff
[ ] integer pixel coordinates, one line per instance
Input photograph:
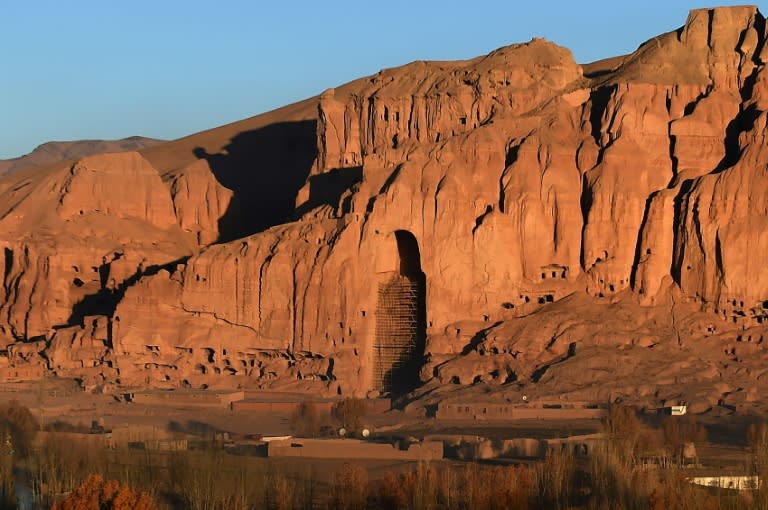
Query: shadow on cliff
(105, 300)
(327, 189)
(264, 168)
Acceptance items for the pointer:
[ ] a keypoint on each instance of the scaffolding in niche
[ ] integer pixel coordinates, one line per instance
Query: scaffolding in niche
(397, 332)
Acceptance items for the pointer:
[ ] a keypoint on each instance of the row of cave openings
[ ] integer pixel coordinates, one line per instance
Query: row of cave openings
(735, 311)
(208, 361)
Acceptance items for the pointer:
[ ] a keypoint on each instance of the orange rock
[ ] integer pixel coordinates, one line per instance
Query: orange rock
(514, 221)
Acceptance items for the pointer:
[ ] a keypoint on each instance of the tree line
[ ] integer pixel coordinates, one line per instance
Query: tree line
(63, 473)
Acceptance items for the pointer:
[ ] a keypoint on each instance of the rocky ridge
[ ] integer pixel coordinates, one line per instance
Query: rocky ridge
(52, 152)
(522, 223)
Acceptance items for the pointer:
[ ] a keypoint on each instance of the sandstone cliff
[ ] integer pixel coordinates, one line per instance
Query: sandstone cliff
(515, 222)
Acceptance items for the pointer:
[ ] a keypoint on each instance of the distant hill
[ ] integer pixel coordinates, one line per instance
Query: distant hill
(51, 152)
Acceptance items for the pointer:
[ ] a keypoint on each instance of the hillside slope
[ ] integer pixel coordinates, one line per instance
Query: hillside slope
(52, 152)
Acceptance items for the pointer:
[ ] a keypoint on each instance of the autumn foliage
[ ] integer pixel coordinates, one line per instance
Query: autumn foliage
(97, 494)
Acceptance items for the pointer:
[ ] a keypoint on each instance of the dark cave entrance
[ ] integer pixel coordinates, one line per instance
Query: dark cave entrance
(401, 321)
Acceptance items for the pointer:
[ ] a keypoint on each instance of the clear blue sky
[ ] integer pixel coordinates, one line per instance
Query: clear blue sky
(80, 69)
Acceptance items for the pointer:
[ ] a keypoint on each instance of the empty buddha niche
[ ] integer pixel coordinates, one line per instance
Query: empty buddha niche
(400, 321)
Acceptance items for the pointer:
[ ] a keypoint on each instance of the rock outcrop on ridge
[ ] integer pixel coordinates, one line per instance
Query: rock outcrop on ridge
(52, 152)
(515, 222)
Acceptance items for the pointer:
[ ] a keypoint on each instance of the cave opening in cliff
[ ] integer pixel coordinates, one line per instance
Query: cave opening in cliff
(8, 264)
(400, 321)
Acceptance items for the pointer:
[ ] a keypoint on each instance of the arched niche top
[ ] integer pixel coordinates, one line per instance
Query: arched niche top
(398, 252)
(408, 252)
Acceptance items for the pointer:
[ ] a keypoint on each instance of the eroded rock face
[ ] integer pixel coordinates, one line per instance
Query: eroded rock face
(200, 201)
(425, 102)
(72, 241)
(97, 185)
(507, 221)
(723, 229)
